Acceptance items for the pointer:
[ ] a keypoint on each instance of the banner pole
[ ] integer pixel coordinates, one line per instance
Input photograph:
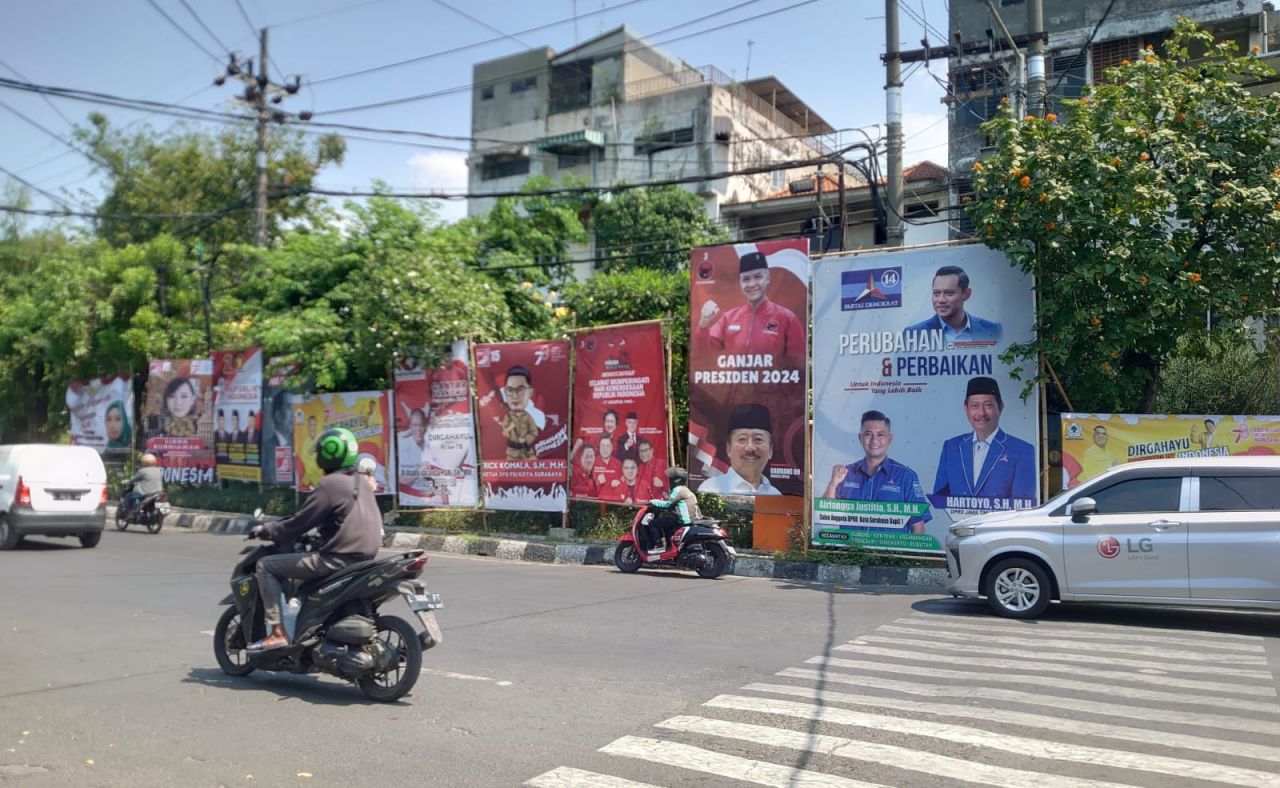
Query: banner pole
(1044, 436)
(472, 376)
(671, 402)
(573, 403)
(584, 329)
(393, 462)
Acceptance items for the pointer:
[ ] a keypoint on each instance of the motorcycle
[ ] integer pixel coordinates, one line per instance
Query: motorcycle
(702, 546)
(336, 627)
(149, 512)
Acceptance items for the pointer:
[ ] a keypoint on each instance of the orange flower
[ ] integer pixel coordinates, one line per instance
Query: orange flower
(1024, 181)
(1017, 171)
(1051, 226)
(1144, 155)
(1145, 280)
(1029, 118)
(991, 230)
(1042, 197)
(1199, 123)
(1084, 99)
(1186, 264)
(1150, 58)
(1115, 161)
(966, 199)
(1106, 367)
(1181, 116)
(1255, 49)
(1244, 298)
(1271, 246)
(1051, 117)
(1193, 276)
(1151, 47)
(1124, 62)
(977, 166)
(1094, 321)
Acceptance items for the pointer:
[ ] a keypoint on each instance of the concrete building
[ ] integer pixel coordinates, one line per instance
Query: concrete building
(616, 109)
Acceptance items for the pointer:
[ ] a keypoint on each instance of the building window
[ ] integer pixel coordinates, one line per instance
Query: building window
(978, 92)
(494, 167)
(570, 86)
(779, 179)
(523, 84)
(663, 140)
(486, 92)
(1068, 75)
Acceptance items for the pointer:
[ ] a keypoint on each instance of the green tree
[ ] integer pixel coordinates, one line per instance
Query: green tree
(654, 227)
(1154, 202)
(1222, 373)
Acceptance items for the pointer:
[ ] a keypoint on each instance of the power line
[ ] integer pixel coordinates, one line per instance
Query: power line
(480, 22)
(52, 134)
(55, 198)
(323, 14)
(1088, 42)
(52, 106)
(124, 217)
(205, 27)
(183, 31)
(253, 29)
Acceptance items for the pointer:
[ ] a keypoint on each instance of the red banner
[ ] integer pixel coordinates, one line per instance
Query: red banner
(178, 419)
(435, 434)
(523, 408)
(620, 415)
(748, 311)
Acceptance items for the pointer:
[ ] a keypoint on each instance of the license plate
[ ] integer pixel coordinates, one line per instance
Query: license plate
(420, 602)
(66, 496)
(162, 508)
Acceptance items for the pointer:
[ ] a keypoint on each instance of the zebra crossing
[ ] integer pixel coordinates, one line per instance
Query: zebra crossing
(937, 700)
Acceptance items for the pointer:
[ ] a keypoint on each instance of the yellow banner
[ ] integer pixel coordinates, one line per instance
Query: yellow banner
(1094, 442)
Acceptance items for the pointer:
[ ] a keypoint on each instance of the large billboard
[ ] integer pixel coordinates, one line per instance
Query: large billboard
(748, 312)
(237, 402)
(102, 414)
(277, 424)
(363, 412)
(917, 420)
(620, 440)
(522, 391)
(178, 419)
(435, 432)
(1094, 442)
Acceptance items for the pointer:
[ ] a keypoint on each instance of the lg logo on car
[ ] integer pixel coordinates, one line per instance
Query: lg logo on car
(1108, 547)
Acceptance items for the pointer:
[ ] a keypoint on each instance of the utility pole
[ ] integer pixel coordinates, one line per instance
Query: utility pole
(1035, 64)
(260, 190)
(893, 118)
(842, 204)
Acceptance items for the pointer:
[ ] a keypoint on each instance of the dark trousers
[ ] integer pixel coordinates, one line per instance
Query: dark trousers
(296, 566)
(662, 526)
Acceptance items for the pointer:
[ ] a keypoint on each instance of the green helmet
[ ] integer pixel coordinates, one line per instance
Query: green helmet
(336, 448)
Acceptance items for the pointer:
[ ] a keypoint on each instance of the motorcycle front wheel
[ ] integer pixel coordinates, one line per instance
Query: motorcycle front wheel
(401, 639)
(121, 522)
(626, 558)
(229, 645)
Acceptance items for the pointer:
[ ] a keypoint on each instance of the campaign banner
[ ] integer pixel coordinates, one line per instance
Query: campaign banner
(620, 442)
(522, 391)
(178, 419)
(365, 413)
(1094, 442)
(237, 402)
(917, 421)
(101, 414)
(748, 312)
(435, 432)
(277, 424)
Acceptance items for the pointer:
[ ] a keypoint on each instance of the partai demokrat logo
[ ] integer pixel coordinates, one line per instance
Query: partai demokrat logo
(1108, 547)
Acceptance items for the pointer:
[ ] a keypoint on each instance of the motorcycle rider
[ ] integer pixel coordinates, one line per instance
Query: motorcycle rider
(345, 512)
(680, 508)
(148, 480)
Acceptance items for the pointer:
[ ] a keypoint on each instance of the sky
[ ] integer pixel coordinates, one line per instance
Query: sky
(826, 51)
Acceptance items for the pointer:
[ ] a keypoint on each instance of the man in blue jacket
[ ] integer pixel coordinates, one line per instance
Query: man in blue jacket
(950, 292)
(987, 462)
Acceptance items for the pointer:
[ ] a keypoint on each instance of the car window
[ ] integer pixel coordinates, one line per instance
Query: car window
(1139, 495)
(1239, 493)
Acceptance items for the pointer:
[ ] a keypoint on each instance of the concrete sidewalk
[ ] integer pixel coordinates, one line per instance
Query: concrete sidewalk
(922, 578)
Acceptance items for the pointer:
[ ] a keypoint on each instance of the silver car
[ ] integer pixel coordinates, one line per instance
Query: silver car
(1201, 531)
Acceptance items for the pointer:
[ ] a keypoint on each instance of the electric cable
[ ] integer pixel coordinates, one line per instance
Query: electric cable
(205, 27)
(183, 31)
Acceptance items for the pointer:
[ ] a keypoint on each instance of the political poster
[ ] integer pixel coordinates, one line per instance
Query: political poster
(435, 432)
(620, 444)
(748, 312)
(1094, 442)
(522, 391)
(102, 414)
(365, 413)
(178, 419)
(237, 405)
(277, 423)
(917, 420)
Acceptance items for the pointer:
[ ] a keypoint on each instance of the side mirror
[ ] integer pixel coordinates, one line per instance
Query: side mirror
(257, 513)
(1081, 508)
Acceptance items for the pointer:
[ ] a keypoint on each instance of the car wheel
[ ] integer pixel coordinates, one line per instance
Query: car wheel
(9, 538)
(90, 539)
(1018, 588)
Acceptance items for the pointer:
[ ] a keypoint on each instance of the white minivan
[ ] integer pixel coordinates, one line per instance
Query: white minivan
(51, 490)
(1202, 531)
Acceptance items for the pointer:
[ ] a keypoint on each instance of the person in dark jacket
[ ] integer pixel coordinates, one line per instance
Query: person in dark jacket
(149, 480)
(345, 512)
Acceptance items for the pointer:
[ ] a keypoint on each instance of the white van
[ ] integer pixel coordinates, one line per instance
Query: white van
(51, 490)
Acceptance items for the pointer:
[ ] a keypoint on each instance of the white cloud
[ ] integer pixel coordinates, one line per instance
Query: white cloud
(924, 137)
(442, 171)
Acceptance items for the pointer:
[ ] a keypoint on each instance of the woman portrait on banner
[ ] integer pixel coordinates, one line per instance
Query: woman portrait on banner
(119, 431)
(181, 408)
(583, 484)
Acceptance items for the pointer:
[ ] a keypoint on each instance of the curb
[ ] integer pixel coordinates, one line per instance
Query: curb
(921, 578)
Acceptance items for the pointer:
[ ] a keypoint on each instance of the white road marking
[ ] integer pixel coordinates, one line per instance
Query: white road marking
(1047, 626)
(669, 753)
(566, 777)
(889, 755)
(1017, 745)
(1042, 721)
(974, 692)
(981, 673)
(208, 632)
(1162, 653)
(1031, 660)
(1140, 634)
(448, 674)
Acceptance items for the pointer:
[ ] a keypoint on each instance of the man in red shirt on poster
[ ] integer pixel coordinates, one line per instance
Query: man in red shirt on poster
(759, 326)
(629, 487)
(607, 468)
(652, 469)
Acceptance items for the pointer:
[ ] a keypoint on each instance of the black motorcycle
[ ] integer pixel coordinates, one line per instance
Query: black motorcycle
(149, 512)
(337, 628)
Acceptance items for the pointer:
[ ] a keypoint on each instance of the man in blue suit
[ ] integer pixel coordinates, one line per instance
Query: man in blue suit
(950, 292)
(988, 462)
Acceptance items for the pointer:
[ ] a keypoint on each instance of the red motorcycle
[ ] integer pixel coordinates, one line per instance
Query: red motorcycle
(702, 546)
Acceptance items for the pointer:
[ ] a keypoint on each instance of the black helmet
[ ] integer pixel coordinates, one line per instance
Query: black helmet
(336, 448)
(677, 476)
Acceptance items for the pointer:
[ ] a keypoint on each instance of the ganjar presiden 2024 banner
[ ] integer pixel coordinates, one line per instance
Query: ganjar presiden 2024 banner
(102, 414)
(363, 412)
(237, 402)
(435, 432)
(178, 419)
(522, 391)
(917, 421)
(620, 414)
(748, 311)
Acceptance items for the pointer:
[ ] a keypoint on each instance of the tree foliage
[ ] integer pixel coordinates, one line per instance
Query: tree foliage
(1155, 201)
(1219, 373)
(652, 228)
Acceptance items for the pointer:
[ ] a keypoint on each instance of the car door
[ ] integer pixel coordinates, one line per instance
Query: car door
(1233, 535)
(1135, 545)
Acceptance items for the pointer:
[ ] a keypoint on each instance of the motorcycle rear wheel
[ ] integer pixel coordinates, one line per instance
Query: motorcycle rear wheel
(229, 645)
(153, 526)
(397, 681)
(626, 558)
(718, 564)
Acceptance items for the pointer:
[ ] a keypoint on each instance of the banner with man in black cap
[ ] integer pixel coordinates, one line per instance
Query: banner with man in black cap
(748, 311)
(964, 440)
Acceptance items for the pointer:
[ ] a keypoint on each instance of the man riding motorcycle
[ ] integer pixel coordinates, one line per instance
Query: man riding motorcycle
(148, 480)
(679, 508)
(345, 512)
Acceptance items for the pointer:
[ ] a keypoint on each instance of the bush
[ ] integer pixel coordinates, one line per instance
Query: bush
(242, 498)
